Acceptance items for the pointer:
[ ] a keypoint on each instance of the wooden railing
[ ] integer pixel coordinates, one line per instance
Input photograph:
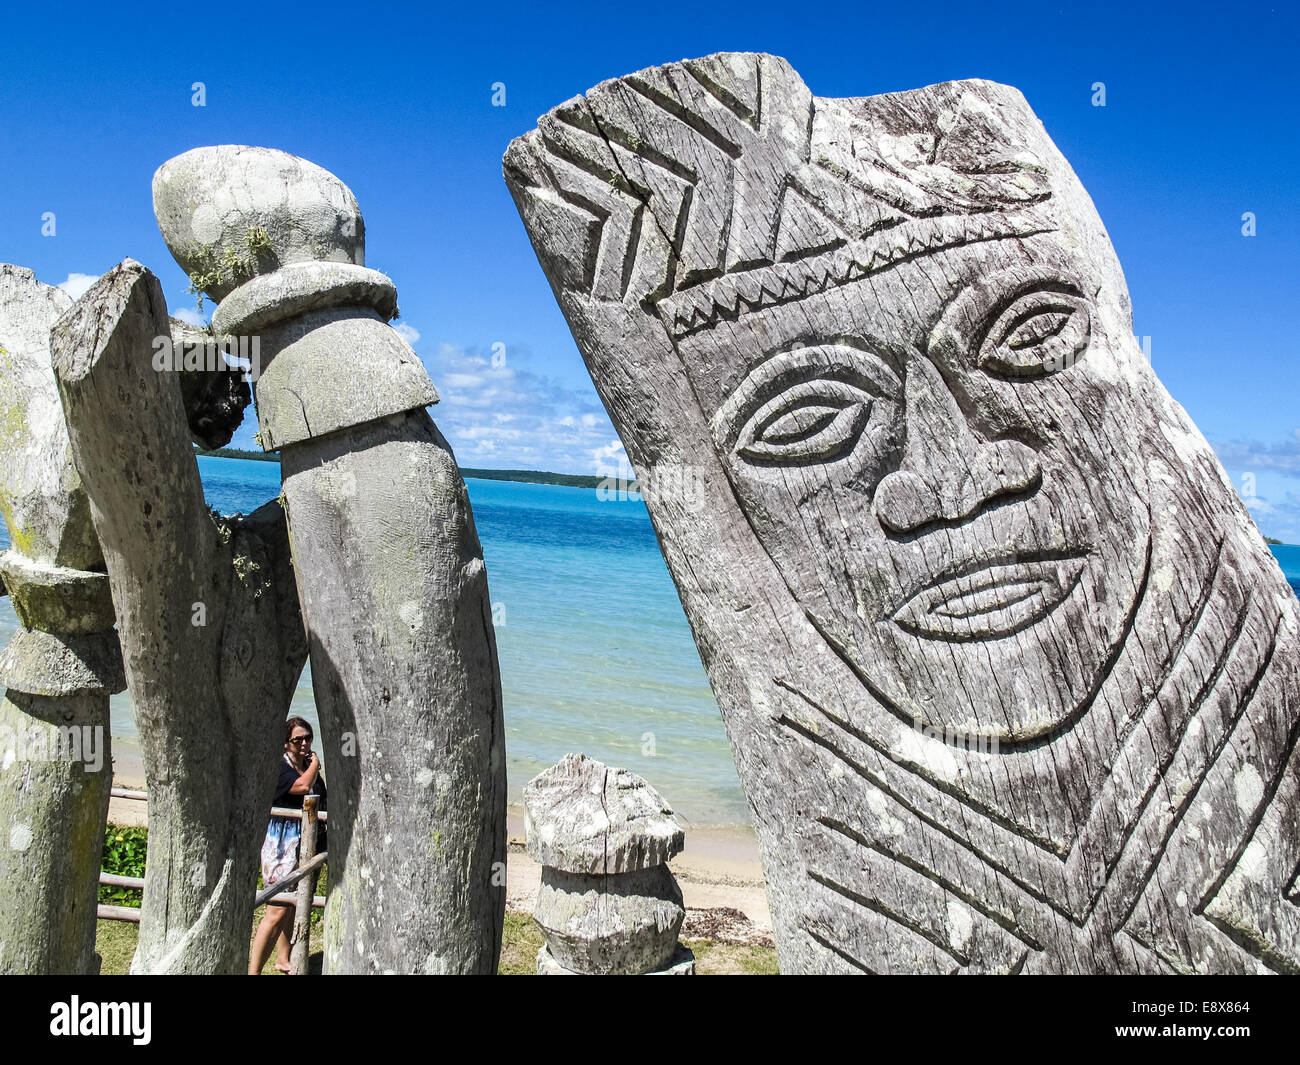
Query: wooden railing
(301, 898)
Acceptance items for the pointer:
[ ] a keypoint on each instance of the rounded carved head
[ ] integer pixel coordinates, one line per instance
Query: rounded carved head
(230, 212)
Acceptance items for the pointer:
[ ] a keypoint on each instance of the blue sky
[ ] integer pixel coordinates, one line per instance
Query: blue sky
(1199, 127)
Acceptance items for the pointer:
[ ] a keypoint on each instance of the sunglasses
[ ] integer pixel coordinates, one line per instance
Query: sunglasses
(302, 739)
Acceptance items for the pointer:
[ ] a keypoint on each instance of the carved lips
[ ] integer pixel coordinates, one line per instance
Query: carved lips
(995, 600)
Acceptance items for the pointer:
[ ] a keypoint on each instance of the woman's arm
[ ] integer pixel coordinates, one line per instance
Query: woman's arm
(304, 783)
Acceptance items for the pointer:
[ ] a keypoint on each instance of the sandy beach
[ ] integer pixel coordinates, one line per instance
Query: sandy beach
(720, 873)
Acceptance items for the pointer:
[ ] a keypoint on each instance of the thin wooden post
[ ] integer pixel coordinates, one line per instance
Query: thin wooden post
(301, 939)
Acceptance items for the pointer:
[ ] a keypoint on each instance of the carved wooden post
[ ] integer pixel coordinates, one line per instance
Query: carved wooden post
(56, 765)
(1011, 679)
(388, 563)
(305, 896)
(208, 618)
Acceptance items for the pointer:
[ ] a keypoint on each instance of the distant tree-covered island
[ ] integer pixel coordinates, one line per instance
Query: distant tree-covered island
(567, 480)
(236, 453)
(1270, 540)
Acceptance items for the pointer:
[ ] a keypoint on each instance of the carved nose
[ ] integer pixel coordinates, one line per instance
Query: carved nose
(948, 473)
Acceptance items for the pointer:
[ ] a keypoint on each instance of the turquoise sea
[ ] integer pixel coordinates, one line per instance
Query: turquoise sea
(596, 654)
(595, 651)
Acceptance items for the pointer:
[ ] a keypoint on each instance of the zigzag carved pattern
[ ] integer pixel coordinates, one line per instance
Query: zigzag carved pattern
(1000, 885)
(699, 153)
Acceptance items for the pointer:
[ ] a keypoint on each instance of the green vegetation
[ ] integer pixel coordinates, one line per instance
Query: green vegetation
(222, 523)
(236, 453)
(124, 851)
(258, 241)
(1270, 540)
(520, 942)
(567, 480)
(213, 271)
(115, 944)
(731, 959)
(230, 267)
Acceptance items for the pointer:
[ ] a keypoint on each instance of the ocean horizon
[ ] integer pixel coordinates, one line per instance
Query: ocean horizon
(595, 651)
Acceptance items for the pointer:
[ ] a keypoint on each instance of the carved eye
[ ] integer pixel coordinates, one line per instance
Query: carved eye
(813, 421)
(1037, 334)
(822, 403)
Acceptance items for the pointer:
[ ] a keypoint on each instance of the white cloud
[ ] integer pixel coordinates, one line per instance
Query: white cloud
(190, 316)
(1263, 474)
(1282, 457)
(408, 333)
(463, 380)
(610, 460)
(78, 284)
(1278, 517)
(508, 416)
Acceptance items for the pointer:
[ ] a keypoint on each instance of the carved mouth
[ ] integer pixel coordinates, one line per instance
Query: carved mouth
(996, 600)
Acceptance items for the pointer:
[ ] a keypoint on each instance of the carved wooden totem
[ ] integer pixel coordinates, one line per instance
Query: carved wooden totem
(1010, 677)
(212, 637)
(58, 670)
(388, 563)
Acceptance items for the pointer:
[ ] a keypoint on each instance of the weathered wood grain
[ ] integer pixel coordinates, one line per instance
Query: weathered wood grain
(58, 670)
(208, 617)
(389, 567)
(1010, 677)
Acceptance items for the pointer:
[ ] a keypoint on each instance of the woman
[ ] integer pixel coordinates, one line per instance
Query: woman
(299, 775)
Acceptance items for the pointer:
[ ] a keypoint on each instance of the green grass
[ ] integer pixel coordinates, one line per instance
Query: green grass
(520, 942)
(124, 853)
(115, 941)
(115, 944)
(730, 959)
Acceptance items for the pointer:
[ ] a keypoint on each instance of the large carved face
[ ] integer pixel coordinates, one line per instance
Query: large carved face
(935, 477)
(907, 338)
(940, 486)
